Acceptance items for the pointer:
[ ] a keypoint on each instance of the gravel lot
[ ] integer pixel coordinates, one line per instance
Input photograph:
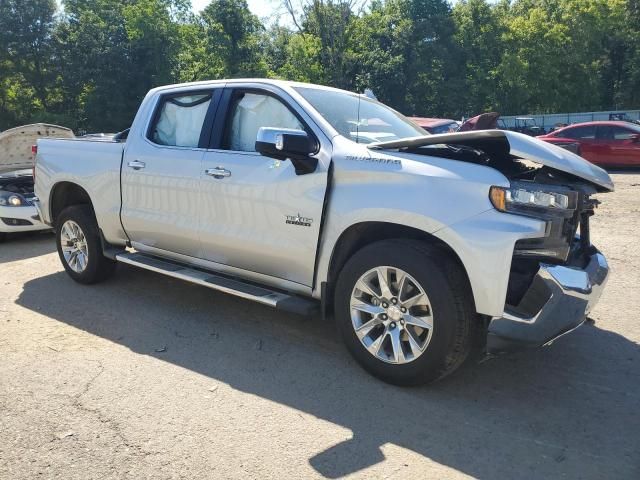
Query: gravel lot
(148, 377)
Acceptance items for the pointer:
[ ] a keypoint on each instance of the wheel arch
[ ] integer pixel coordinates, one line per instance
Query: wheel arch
(359, 235)
(63, 195)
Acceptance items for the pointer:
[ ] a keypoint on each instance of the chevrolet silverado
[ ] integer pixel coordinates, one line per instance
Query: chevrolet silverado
(309, 198)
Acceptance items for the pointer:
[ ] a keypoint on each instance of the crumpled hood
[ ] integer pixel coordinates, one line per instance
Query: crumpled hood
(15, 144)
(516, 144)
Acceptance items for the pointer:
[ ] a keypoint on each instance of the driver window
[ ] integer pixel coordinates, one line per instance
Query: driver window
(252, 111)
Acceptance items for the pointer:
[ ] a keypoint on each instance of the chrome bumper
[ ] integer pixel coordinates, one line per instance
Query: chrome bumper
(566, 295)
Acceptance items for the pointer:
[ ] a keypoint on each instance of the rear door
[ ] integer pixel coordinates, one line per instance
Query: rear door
(257, 214)
(161, 173)
(619, 145)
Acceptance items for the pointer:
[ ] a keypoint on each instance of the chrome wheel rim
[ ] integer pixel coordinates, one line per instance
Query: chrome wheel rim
(74, 246)
(391, 315)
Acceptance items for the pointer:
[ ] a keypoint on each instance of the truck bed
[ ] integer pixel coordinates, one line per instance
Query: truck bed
(92, 163)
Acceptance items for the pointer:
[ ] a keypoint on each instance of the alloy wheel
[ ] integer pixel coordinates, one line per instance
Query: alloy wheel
(74, 246)
(391, 315)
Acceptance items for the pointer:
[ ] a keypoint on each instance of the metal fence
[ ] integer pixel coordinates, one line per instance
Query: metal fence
(549, 121)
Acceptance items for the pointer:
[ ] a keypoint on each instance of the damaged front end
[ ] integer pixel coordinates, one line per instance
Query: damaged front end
(555, 279)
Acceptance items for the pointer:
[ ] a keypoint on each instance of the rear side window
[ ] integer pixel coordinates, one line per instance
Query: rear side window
(578, 133)
(179, 120)
(611, 132)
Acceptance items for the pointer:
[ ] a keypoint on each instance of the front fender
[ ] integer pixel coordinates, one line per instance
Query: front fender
(444, 198)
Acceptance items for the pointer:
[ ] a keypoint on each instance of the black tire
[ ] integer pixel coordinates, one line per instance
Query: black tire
(447, 288)
(98, 267)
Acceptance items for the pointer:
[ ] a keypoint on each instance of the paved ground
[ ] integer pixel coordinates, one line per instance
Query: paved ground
(147, 377)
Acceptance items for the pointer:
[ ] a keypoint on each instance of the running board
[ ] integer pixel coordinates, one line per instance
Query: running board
(224, 284)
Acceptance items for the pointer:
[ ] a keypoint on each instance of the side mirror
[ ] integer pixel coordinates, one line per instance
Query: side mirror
(287, 143)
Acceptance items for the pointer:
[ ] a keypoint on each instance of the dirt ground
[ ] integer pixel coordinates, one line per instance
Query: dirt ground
(148, 377)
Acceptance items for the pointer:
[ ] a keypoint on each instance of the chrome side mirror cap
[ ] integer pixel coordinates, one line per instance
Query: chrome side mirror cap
(288, 144)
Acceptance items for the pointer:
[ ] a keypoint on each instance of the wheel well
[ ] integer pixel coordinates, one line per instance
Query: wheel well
(65, 194)
(362, 234)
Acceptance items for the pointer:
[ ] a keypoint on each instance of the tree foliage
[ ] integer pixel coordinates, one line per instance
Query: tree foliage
(89, 64)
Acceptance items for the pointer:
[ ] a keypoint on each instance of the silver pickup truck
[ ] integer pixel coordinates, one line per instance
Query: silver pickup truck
(309, 198)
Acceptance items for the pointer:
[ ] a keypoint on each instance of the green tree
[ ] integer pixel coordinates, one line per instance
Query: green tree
(26, 49)
(112, 53)
(403, 50)
(234, 40)
(479, 31)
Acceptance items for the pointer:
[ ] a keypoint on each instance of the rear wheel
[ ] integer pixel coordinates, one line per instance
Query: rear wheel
(79, 247)
(405, 312)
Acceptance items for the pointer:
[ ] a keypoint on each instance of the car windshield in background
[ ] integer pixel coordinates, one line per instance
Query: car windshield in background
(359, 118)
(446, 128)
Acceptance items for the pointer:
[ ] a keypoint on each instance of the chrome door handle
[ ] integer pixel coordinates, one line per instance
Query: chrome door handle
(218, 172)
(136, 164)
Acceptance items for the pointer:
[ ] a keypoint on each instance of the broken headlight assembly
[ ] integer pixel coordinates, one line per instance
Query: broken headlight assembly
(532, 199)
(555, 205)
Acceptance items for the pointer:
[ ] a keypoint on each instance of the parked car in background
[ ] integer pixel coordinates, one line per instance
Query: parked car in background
(528, 126)
(484, 121)
(607, 143)
(436, 125)
(17, 212)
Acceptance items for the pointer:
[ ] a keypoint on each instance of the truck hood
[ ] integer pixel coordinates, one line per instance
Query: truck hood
(15, 144)
(504, 142)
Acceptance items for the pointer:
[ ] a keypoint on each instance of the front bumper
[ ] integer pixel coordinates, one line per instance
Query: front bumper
(20, 219)
(558, 301)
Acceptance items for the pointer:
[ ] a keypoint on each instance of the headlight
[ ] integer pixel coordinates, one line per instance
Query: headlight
(531, 198)
(555, 205)
(8, 199)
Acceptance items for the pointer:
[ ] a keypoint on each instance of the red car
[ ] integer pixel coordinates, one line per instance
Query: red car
(608, 144)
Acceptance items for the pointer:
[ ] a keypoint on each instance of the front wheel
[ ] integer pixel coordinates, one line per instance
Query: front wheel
(79, 246)
(405, 311)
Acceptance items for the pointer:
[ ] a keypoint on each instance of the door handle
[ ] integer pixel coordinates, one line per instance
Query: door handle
(136, 164)
(218, 172)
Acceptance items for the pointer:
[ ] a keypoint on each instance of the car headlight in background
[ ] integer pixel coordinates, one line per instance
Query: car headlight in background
(531, 198)
(8, 199)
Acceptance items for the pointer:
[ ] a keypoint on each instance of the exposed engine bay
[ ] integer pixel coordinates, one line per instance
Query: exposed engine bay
(547, 170)
(20, 182)
(17, 182)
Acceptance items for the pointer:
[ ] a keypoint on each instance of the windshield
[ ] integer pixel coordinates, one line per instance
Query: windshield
(359, 118)
(446, 128)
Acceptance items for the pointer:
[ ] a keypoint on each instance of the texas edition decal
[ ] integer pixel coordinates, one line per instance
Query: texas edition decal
(299, 220)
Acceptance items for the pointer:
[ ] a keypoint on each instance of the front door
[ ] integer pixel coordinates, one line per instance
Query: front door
(256, 212)
(161, 175)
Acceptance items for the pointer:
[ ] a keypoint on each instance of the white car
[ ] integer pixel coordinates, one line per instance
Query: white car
(17, 211)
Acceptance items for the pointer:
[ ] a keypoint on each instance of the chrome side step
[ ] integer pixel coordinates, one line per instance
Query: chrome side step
(225, 284)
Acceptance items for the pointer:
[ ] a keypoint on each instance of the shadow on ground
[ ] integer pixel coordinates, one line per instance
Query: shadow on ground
(19, 246)
(571, 410)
